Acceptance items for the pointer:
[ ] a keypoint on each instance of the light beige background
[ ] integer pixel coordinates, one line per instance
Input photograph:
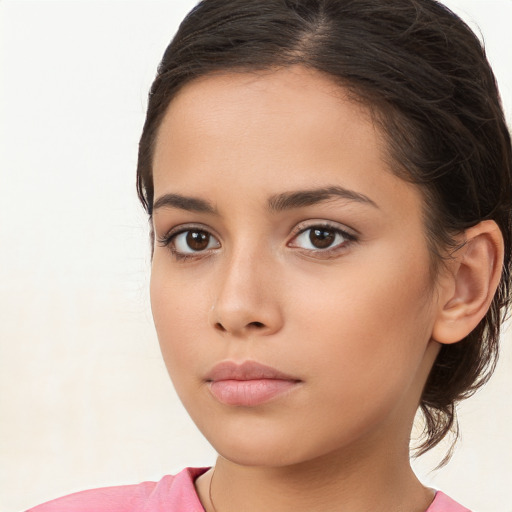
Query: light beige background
(85, 400)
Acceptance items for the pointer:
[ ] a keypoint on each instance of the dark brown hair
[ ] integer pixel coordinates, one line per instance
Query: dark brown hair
(425, 76)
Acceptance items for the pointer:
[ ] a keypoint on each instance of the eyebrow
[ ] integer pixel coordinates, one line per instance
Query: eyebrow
(276, 203)
(302, 198)
(191, 204)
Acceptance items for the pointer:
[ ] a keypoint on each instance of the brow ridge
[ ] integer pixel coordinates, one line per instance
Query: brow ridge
(191, 204)
(309, 197)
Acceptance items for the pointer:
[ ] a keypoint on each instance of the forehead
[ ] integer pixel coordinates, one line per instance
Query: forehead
(307, 98)
(269, 131)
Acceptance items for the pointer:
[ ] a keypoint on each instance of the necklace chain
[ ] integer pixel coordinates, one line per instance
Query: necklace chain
(210, 491)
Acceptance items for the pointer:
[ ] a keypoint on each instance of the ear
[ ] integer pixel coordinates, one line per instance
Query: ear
(468, 286)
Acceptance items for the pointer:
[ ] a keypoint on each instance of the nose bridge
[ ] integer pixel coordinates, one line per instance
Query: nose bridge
(246, 300)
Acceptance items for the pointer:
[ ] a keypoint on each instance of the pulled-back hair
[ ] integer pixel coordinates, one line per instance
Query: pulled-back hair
(424, 76)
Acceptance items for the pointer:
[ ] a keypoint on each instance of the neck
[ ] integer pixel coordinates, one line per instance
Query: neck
(328, 484)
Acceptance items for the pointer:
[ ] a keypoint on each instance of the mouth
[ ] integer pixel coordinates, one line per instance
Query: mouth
(248, 384)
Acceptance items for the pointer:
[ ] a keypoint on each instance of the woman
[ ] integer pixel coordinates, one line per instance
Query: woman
(329, 186)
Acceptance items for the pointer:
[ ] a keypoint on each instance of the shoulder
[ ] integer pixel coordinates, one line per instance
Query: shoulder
(443, 503)
(113, 499)
(174, 492)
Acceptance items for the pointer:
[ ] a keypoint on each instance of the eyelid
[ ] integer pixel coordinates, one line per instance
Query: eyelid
(180, 241)
(349, 235)
(189, 226)
(322, 223)
(166, 240)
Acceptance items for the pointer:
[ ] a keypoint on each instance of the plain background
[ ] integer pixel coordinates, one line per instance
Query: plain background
(85, 400)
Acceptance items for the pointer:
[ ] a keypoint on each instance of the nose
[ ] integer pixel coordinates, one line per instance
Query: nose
(246, 300)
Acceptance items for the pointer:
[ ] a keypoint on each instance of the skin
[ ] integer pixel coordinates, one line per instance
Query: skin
(352, 323)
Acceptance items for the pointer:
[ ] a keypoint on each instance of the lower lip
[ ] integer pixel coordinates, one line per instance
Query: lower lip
(249, 393)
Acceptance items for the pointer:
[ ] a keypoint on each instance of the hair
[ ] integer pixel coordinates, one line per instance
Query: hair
(424, 76)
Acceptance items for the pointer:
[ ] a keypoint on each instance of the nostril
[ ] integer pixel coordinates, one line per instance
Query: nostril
(250, 326)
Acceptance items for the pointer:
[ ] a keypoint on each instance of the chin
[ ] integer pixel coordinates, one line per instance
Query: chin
(258, 456)
(268, 449)
(252, 447)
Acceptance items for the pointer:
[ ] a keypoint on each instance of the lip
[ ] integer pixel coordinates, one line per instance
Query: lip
(248, 370)
(248, 384)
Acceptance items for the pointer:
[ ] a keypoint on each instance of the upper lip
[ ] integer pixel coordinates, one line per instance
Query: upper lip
(248, 370)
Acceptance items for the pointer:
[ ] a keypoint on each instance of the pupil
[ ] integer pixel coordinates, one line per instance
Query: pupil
(198, 240)
(321, 238)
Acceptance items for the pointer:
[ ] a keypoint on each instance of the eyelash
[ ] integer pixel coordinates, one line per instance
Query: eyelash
(168, 240)
(330, 251)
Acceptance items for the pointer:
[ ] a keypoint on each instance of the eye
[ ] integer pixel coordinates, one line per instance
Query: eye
(194, 240)
(190, 241)
(318, 238)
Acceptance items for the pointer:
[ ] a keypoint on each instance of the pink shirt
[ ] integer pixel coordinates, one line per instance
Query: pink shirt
(170, 494)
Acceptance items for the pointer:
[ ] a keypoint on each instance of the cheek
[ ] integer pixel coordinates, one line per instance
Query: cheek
(180, 313)
(370, 320)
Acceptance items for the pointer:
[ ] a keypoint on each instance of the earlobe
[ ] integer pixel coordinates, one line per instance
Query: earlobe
(466, 293)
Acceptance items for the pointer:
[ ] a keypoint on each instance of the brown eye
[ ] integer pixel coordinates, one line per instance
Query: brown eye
(198, 240)
(192, 241)
(321, 238)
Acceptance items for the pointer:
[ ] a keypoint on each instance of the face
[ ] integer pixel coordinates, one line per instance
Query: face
(290, 283)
